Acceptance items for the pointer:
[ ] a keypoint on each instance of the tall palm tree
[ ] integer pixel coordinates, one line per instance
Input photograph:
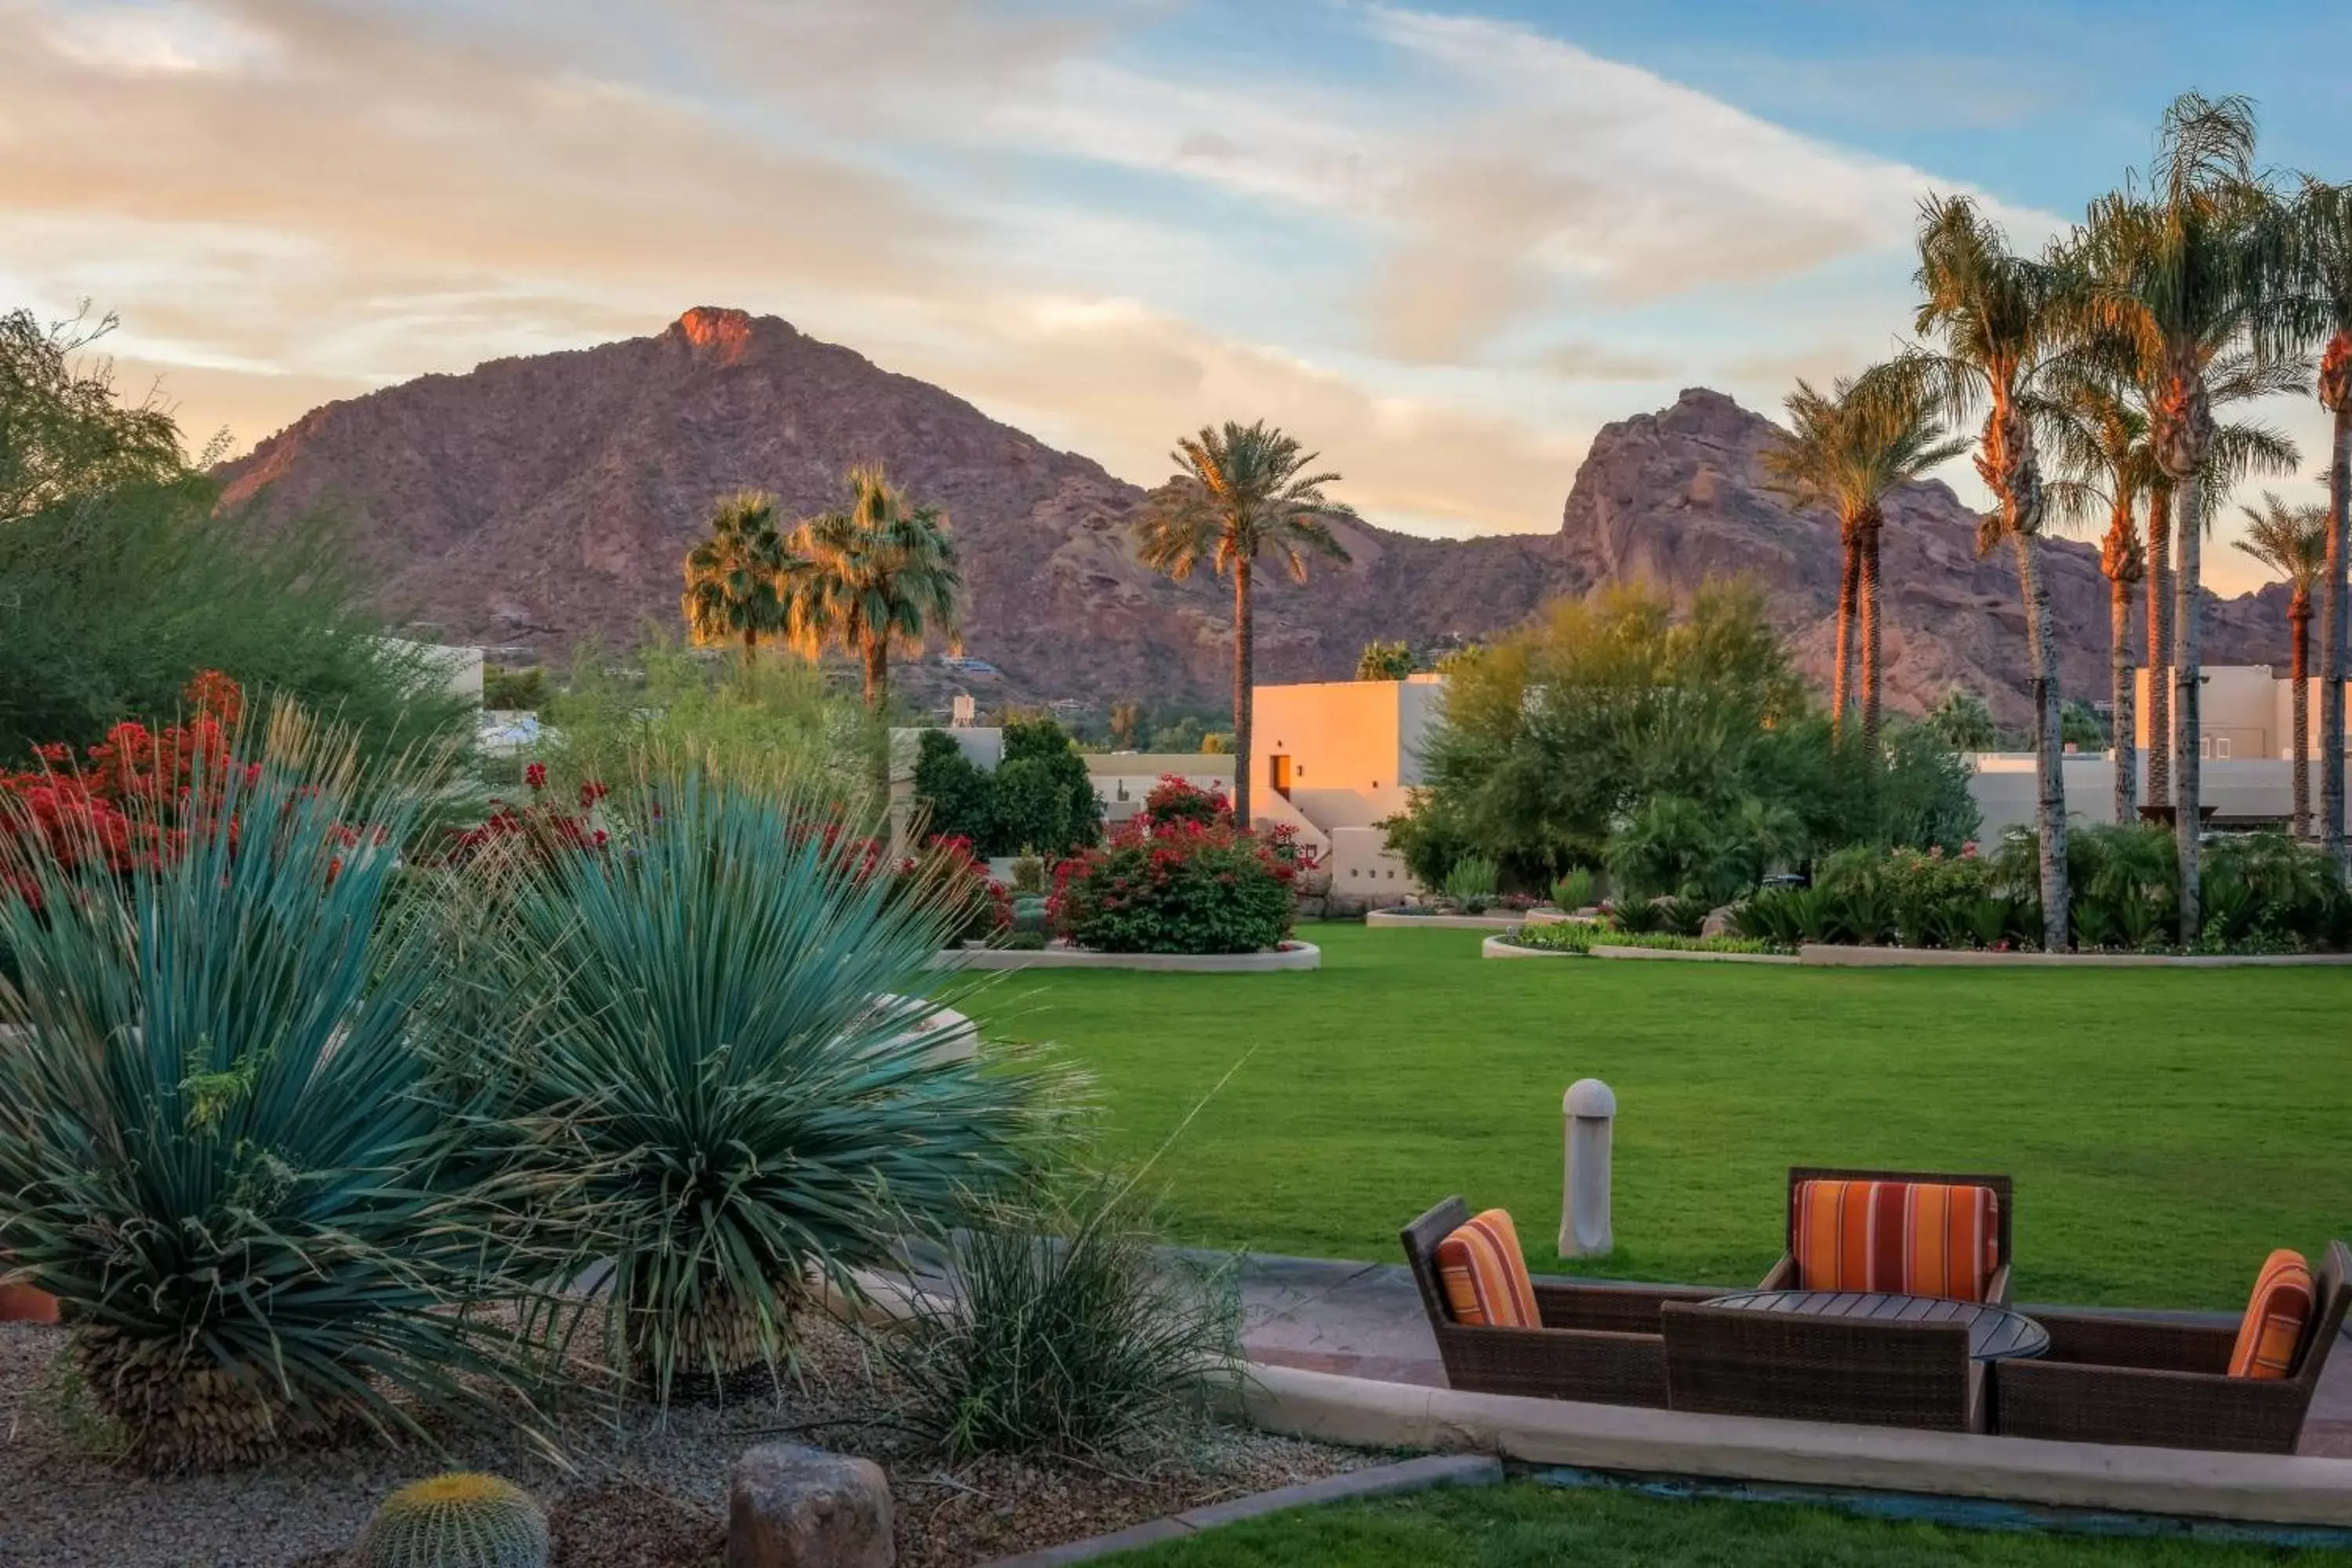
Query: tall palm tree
(738, 580)
(1999, 317)
(1241, 490)
(2101, 445)
(2326, 231)
(2187, 274)
(877, 575)
(1848, 451)
(2292, 543)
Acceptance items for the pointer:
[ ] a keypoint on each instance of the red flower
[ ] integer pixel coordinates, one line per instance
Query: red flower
(535, 775)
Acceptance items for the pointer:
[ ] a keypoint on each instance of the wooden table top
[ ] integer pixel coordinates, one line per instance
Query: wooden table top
(1995, 1333)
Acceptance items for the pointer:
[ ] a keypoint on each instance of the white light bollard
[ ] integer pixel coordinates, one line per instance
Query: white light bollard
(1588, 1110)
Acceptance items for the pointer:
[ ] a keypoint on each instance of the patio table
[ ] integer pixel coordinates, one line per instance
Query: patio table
(1995, 1333)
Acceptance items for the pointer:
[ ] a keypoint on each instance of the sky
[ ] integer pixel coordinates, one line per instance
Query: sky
(1444, 244)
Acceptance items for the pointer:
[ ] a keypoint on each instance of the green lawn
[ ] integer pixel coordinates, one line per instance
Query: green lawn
(2167, 1127)
(1528, 1525)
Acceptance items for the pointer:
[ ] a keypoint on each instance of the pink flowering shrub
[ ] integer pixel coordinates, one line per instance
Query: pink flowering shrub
(1174, 885)
(1177, 799)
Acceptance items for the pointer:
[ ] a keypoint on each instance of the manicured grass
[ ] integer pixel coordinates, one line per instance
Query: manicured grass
(2167, 1127)
(1528, 1525)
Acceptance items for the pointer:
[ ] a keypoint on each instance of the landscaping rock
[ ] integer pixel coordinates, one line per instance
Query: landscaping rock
(793, 1507)
(1717, 922)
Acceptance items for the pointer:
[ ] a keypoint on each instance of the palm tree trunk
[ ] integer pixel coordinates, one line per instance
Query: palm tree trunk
(2188, 825)
(2332, 638)
(2120, 676)
(2298, 620)
(1866, 603)
(751, 650)
(1848, 588)
(877, 675)
(2160, 645)
(2049, 747)
(1244, 651)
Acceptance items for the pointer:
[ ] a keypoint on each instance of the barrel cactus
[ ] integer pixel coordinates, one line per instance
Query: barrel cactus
(459, 1521)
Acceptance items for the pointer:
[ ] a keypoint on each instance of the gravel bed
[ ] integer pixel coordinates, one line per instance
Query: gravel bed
(651, 1493)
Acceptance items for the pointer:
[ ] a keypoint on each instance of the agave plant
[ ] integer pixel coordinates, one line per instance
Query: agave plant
(724, 1038)
(220, 1142)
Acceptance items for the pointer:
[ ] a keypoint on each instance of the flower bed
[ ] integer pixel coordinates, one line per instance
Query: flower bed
(1175, 885)
(1578, 937)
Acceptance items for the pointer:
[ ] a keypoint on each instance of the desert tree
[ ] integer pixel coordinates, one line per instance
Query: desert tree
(879, 575)
(2292, 540)
(739, 578)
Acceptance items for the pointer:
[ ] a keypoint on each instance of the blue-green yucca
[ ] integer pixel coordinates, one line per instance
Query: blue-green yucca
(217, 1146)
(720, 1038)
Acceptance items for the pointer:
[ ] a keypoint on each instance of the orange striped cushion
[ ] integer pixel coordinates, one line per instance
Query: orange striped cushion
(1917, 1238)
(2275, 1316)
(1485, 1274)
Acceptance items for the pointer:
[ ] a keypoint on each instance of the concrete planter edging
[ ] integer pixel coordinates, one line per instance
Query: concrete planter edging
(1391, 920)
(2259, 1488)
(1837, 955)
(1383, 1480)
(1496, 947)
(1297, 956)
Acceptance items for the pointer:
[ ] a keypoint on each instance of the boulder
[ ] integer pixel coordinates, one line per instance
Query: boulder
(794, 1507)
(1717, 922)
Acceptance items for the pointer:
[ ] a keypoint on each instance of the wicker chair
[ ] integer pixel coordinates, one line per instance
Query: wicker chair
(1784, 1276)
(1599, 1343)
(2118, 1380)
(1724, 1362)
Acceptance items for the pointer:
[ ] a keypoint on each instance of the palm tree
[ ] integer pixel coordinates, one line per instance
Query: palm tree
(738, 581)
(1848, 451)
(2179, 278)
(1243, 488)
(2292, 543)
(2326, 231)
(1998, 316)
(878, 575)
(2101, 447)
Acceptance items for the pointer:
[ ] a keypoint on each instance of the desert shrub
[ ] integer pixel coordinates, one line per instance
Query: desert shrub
(511, 689)
(1471, 883)
(1176, 888)
(1064, 1330)
(1028, 874)
(945, 873)
(113, 602)
(771, 725)
(1573, 890)
(223, 1141)
(1429, 836)
(719, 1050)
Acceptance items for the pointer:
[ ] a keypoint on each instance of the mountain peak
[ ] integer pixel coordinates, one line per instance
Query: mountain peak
(720, 331)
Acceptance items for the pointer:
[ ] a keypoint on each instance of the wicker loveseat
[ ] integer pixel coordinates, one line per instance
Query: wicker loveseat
(1599, 1343)
(2122, 1379)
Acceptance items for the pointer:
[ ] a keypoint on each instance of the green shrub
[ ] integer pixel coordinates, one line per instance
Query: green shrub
(1471, 883)
(1040, 800)
(1684, 917)
(223, 1144)
(1029, 873)
(523, 689)
(1635, 917)
(1573, 890)
(720, 1054)
(1576, 936)
(459, 1521)
(1064, 1331)
(1177, 888)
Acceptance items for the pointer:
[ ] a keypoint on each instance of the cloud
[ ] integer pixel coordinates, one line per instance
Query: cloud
(1584, 360)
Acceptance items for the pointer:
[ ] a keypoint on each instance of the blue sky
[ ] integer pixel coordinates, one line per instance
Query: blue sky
(1443, 243)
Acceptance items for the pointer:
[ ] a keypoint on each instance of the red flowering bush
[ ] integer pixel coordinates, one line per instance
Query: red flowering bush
(542, 827)
(977, 906)
(1177, 799)
(132, 798)
(1174, 885)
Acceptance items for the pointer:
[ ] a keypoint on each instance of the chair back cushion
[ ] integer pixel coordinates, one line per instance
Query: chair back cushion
(1485, 1276)
(2276, 1315)
(1915, 1238)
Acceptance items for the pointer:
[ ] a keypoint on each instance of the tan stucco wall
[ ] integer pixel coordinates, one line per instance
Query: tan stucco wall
(2240, 712)
(1346, 742)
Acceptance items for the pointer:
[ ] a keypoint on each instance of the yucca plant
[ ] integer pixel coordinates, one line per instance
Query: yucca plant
(221, 1146)
(720, 1038)
(1471, 882)
(1063, 1330)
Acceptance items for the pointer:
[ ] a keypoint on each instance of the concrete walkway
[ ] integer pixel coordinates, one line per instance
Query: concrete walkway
(1365, 1320)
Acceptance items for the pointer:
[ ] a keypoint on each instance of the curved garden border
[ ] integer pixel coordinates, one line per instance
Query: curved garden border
(2262, 1489)
(1394, 921)
(1834, 955)
(1297, 955)
(1496, 947)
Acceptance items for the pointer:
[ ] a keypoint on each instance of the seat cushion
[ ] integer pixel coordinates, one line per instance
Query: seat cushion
(2276, 1315)
(1485, 1276)
(1916, 1239)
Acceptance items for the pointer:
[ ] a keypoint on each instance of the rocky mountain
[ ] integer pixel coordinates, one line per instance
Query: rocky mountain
(543, 501)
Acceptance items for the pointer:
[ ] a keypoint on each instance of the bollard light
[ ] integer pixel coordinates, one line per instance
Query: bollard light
(1590, 1111)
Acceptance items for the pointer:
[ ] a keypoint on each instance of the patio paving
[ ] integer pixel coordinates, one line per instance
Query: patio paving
(1365, 1320)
